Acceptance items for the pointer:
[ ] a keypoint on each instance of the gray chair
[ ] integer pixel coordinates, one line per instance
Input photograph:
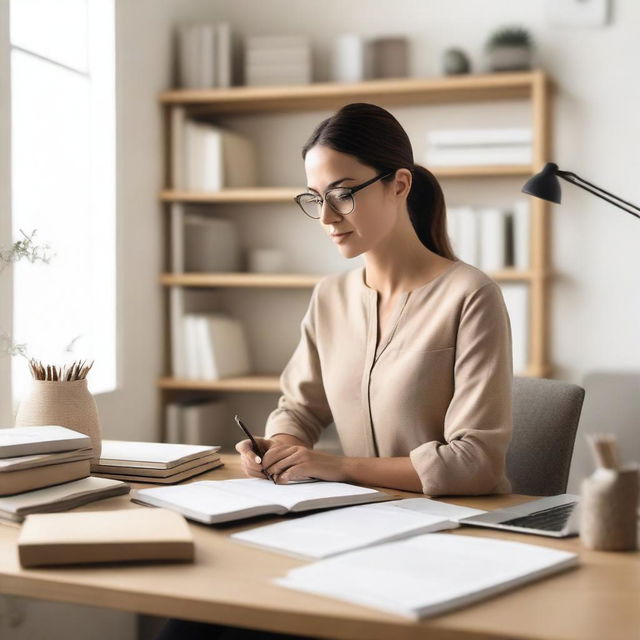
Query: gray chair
(545, 420)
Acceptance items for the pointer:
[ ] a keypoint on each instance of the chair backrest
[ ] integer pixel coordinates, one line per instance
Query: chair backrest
(545, 420)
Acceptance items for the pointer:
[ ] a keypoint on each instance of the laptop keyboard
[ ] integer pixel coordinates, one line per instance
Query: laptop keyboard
(552, 519)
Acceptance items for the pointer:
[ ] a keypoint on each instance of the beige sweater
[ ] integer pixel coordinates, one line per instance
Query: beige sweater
(437, 388)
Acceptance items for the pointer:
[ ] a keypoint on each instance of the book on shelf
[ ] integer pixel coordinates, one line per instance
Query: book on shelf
(479, 157)
(521, 234)
(204, 55)
(321, 535)
(213, 502)
(273, 60)
(466, 138)
(121, 535)
(428, 574)
(59, 497)
(464, 232)
(493, 238)
(215, 347)
(201, 421)
(210, 244)
(516, 299)
(24, 441)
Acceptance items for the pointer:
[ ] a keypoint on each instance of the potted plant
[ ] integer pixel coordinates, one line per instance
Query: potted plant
(509, 49)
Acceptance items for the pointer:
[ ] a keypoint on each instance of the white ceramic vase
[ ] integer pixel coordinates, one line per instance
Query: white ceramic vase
(64, 403)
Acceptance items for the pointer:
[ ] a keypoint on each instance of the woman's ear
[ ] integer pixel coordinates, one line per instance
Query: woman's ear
(402, 183)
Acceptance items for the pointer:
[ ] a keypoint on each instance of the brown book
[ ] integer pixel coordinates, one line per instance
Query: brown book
(21, 480)
(172, 479)
(121, 535)
(133, 470)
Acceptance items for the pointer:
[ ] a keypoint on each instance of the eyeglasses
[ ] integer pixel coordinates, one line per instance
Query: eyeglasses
(340, 199)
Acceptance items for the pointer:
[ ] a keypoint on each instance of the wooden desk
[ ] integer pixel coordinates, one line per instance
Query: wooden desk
(230, 583)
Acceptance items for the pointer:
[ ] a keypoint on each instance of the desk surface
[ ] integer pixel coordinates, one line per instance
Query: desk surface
(230, 583)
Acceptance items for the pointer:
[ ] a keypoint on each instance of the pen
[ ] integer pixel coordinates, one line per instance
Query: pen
(254, 445)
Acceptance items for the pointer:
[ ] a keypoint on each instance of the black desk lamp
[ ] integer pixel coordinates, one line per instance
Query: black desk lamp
(546, 185)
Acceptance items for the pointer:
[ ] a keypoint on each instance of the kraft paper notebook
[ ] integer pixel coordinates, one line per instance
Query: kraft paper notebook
(120, 535)
(427, 574)
(226, 500)
(24, 441)
(21, 480)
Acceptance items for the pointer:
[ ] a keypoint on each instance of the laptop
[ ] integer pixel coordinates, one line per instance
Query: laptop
(555, 516)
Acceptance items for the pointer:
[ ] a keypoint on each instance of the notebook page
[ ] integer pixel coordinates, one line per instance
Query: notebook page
(427, 574)
(290, 495)
(328, 533)
(436, 508)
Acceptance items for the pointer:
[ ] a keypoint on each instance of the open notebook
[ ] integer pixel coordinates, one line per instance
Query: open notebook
(427, 574)
(225, 500)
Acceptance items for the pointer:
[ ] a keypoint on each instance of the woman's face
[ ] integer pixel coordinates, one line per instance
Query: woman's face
(376, 206)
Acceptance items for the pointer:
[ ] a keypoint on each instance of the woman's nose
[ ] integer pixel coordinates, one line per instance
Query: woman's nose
(328, 215)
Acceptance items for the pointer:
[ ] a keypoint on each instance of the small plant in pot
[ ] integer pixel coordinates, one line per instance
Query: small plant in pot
(509, 49)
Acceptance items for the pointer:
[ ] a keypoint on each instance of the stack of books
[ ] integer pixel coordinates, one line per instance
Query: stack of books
(273, 60)
(154, 462)
(479, 147)
(45, 469)
(204, 55)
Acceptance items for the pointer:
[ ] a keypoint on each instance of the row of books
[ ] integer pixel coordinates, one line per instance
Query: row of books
(491, 238)
(204, 55)
(206, 157)
(273, 60)
(473, 147)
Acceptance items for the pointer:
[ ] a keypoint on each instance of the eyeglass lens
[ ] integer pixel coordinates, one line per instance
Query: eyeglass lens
(340, 200)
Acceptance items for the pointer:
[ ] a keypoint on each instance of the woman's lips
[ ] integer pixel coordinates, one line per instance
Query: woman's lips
(340, 237)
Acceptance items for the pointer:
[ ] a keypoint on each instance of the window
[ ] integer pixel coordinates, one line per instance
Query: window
(63, 184)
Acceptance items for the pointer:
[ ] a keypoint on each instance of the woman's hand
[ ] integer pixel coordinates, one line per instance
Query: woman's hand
(251, 463)
(294, 462)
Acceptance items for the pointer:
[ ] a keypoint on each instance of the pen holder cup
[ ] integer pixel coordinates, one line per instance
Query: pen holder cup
(609, 509)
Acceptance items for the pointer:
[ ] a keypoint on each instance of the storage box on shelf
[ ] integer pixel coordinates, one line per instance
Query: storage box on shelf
(533, 86)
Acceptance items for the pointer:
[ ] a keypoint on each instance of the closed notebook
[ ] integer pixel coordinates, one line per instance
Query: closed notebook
(325, 534)
(107, 469)
(21, 480)
(24, 441)
(169, 479)
(152, 455)
(225, 500)
(44, 459)
(120, 535)
(427, 574)
(59, 497)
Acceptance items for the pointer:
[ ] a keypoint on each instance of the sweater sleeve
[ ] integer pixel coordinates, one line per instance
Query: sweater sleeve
(303, 410)
(478, 420)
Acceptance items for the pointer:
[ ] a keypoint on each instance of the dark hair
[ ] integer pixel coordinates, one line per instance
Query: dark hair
(373, 136)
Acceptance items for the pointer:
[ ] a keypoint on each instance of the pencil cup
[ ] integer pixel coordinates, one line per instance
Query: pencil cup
(67, 403)
(609, 509)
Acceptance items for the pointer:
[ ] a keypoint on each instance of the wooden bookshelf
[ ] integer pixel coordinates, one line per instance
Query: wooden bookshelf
(533, 86)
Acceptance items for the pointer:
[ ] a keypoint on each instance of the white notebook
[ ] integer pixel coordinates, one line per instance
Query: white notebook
(427, 574)
(225, 500)
(26, 441)
(151, 455)
(325, 534)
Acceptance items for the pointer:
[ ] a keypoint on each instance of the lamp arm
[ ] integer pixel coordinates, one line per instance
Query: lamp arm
(631, 208)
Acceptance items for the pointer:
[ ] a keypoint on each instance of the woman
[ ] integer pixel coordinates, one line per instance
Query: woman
(410, 355)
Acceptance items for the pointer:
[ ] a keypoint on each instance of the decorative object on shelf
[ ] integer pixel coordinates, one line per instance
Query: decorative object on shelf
(60, 396)
(390, 57)
(455, 62)
(265, 261)
(509, 49)
(546, 185)
(351, 59)
(204, 55)
(609, 500)
(274, 60)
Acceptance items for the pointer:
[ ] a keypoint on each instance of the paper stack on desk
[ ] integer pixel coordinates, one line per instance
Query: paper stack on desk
(154, 462)
(36, 457)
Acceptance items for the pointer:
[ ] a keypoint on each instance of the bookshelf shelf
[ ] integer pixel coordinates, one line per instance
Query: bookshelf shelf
(534, 87)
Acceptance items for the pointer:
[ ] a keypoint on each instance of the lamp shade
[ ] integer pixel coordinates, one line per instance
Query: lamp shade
(545, 184)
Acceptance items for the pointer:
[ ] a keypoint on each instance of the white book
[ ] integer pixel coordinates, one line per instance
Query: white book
(221, 347)
(466, 242)
(24, 441)
(150, 455)
(223, 55)
(437, 157)
(192, 346)
(178, 146)
(210, 171)
(516, 299)
(428, 574)
(521, 235)
(208, 62)
(226, 500)
(493, 238)
(325, 534)
(59, 497)
(470, 137)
